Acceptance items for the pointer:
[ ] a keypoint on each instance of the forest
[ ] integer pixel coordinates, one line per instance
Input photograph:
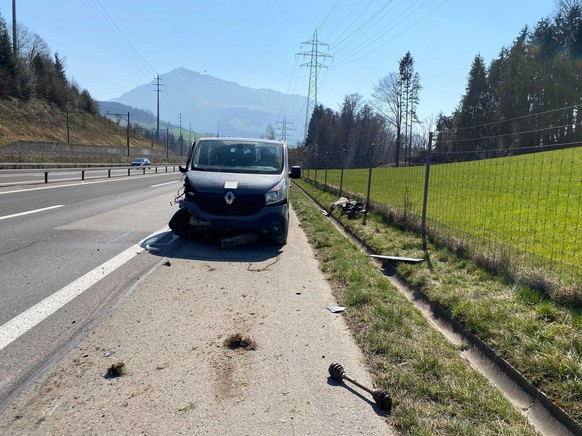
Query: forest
(28, 70)
(526, 100)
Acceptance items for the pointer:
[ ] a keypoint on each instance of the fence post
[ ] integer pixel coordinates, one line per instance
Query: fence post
(325, 178)
(369, 181)
(425, 199)
(342, 173)
(316, 163)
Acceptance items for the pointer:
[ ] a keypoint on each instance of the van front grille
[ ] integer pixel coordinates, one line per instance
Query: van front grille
(243, 205)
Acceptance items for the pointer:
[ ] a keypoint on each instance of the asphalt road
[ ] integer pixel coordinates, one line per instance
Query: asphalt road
(183, 372)
(66, 240)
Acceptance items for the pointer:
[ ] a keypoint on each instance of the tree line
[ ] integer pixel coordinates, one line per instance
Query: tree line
(379, 130)
(32, 72)
(526, 100)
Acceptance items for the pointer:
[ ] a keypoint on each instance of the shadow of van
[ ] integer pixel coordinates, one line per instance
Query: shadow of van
(168, 244)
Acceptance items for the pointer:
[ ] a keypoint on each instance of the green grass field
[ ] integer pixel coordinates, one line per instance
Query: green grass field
(539, 337)
(514, 206)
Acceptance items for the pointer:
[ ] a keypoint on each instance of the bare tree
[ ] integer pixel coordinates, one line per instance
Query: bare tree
(269, 132)
(30, 44)
(387, 100)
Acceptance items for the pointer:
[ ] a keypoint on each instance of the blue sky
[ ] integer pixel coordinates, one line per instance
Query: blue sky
(112, 46)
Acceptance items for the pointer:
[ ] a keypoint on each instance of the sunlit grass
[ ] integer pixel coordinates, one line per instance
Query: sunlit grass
(434, 390)
(521, 204)
(537, 336)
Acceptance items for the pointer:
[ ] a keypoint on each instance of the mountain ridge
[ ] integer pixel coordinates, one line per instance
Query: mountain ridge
(211, 104)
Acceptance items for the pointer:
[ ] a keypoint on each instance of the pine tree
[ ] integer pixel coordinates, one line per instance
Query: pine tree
(8, 86)
(472, 116)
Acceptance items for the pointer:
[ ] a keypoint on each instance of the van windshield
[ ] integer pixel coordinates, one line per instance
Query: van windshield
(238, 156)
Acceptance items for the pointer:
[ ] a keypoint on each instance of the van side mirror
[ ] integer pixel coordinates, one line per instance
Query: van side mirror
(295, 172)
(182, 169)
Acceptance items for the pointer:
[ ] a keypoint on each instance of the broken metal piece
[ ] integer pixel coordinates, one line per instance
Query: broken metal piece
(235, 241)
(381, 397)
(396, 258)
(336, 309)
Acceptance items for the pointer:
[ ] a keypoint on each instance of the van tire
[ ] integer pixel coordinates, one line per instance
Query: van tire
(180, 223)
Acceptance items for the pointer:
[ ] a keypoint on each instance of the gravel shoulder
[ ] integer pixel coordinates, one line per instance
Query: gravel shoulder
(181, 378)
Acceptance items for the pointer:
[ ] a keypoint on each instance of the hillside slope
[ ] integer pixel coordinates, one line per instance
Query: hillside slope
(38, 120)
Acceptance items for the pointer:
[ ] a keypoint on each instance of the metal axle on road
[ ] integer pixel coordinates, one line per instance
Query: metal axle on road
(381, 397)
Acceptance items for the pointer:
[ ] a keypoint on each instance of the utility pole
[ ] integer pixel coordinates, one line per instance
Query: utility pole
(314, 66)
(68, 136)
(284, 128)
(14, 43)
(157, 90)
(128, 126)
(181, 140)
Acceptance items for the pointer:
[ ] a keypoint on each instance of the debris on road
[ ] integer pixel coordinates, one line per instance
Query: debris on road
(349, 207)
(336, 309)
(108, 353)
(381, 397)
(235, 241)
(116, 370)
(396, 258)
(239, 340)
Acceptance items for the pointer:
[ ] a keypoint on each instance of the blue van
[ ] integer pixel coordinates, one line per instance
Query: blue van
(236, 184)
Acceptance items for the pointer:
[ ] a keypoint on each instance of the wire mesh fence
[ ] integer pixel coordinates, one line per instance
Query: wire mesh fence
(519, 215)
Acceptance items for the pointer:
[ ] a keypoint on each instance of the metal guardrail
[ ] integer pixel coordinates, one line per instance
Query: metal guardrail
(62, 167)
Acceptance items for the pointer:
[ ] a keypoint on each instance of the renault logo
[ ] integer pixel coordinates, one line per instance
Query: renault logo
(229, 197)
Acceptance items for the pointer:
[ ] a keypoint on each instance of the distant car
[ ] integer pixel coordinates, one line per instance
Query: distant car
(140, 162)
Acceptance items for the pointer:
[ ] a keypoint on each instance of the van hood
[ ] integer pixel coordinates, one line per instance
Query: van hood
(214, 182)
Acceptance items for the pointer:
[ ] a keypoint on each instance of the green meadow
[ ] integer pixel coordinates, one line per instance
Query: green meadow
(527, 207)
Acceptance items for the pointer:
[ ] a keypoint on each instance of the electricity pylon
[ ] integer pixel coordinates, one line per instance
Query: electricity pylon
(314, 65)
(284, 128)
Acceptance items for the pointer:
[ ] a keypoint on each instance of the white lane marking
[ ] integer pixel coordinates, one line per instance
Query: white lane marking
(28, 319)
(30, 211)
(116, 179)
(163, 184)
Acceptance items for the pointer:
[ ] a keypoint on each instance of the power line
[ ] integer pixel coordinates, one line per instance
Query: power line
(356, 53)
(507, 120)
(107, 30)
(330, 14)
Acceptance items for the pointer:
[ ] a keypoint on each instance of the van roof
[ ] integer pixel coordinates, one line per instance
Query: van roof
(240, 138)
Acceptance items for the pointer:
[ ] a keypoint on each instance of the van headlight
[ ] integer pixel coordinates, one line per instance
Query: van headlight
(277, 194)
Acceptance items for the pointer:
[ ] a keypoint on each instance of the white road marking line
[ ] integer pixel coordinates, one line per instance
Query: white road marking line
(91, 182)
(163, 184)
(28, 319)
(30, 211)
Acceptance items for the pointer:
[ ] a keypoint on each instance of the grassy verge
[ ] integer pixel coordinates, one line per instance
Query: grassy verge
(517, 207)
(434, 390)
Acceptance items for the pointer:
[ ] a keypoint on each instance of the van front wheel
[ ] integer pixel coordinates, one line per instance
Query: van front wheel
(180, 223)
